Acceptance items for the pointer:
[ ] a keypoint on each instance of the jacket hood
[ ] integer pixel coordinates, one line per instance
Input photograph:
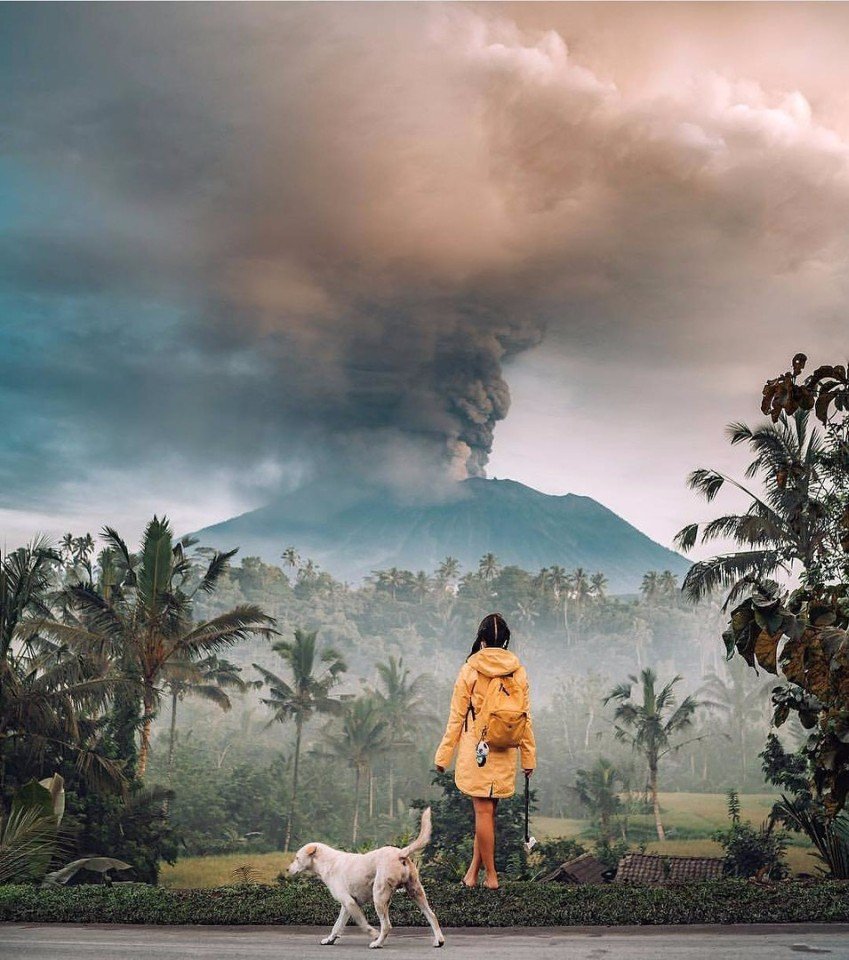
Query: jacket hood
(494, 662)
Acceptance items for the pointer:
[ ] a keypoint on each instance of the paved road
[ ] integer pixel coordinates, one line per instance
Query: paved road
(91, 942)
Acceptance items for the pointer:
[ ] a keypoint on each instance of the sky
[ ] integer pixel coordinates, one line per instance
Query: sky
(244, 247)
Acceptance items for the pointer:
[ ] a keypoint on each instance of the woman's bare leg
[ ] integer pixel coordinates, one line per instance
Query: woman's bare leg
(485, 837)
(471, 877)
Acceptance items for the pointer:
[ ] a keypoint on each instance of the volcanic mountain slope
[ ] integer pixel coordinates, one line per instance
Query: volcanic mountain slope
(353, 536)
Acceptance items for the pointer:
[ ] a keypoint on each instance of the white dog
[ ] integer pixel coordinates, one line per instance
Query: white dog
(354, 877)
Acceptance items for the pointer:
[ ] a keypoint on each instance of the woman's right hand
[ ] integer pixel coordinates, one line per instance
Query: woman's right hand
(440, 769)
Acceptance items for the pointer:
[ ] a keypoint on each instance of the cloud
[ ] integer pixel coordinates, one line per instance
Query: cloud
(315, 235)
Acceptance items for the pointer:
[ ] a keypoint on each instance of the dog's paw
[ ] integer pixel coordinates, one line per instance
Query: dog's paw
(328, 941)
(440, 942)
(376, 944)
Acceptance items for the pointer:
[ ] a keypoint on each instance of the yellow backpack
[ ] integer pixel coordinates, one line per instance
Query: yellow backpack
(502, 719)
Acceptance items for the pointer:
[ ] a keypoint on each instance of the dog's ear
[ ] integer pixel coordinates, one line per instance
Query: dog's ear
(311, 850)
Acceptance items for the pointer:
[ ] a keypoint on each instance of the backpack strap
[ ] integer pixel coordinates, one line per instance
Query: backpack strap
(471, 709)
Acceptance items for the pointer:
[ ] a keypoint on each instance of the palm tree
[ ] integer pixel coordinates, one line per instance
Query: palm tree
(51, 695)
(291, 556)
(648, 725)
(597, 790)
(598, 585)
(147, 620)
(307, 693)
(788, 523)
(208, 679)
(363, 736)
(308, 572)
(741, 701)
(541, 580)
(558, 580)
(579, 589)
(402, 702)
(66, 547)
(489, 566)
(392, 579)
(83, 547)
(668, 583)
(421, 586)
(650, 587)
(448, 571)
(526, 613)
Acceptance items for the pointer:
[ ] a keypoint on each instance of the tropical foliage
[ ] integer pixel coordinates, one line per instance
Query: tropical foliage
(649, 723)
(144, 622)
(598, 790)
(751, 851)
(307, 693)
(799, 524)
(357, 741)
(87, 646)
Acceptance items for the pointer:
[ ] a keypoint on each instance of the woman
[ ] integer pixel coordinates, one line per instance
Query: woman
(486, 784)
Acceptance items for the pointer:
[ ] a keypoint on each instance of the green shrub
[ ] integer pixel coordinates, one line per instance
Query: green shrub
(454, 831)
(751, 851)
(514, 904)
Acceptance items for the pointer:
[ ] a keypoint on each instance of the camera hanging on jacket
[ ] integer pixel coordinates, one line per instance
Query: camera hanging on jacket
(481, 752)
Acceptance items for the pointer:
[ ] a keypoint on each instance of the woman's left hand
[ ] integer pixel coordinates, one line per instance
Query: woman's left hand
(440, 769)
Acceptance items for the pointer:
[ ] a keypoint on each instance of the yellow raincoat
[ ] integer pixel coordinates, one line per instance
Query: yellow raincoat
(497, 777)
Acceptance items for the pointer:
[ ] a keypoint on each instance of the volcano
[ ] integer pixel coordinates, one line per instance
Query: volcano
(358, 532)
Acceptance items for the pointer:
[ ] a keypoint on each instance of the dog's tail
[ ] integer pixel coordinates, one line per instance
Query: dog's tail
(423, 839)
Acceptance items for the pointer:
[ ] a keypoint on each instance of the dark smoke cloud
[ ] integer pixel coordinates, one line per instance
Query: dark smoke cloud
(315, 234)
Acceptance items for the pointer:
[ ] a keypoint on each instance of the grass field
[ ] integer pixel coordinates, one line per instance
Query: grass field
(690, 816)
(689, 819)
(200, 872)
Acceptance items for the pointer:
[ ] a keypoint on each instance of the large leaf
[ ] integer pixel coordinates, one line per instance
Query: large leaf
(816, 669)
(793, 661)
(766, 649)
(101, 865)
(55, 786)
(28, 838)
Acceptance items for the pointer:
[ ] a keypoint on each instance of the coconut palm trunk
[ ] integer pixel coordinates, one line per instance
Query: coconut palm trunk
(655, 801)
(356, 825)
(299, 726)
(172, 735)
(149, 702)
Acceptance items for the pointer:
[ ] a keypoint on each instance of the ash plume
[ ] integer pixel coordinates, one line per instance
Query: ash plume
(283, 237)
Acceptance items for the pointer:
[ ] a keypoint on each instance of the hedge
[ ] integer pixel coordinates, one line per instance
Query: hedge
(515, 904)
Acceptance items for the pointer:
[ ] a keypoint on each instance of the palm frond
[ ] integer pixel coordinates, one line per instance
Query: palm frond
(228, 629)
(219, 563)
(706, 482)
(728, 570)
(686, 537)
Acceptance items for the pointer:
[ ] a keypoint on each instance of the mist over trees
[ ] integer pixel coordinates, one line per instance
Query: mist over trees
(403, 636)
(322, 718)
